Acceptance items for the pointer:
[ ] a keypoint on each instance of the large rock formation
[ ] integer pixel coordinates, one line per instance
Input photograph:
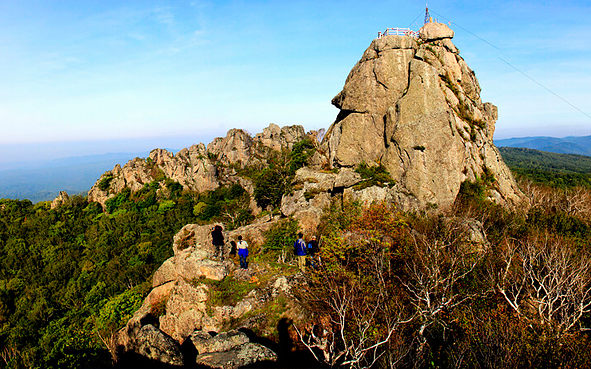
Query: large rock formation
(411, 105)
(414, 106)
(61, 199)
(198, 168)
(179, 310)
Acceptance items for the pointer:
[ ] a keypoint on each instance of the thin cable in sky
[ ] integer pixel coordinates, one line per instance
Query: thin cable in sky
(517, 69)
(544, 87)
(413, 22)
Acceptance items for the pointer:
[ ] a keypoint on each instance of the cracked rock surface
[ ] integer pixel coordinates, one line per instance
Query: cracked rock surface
(414, 106)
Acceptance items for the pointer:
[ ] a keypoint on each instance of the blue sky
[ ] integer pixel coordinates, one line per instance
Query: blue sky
(179, 72)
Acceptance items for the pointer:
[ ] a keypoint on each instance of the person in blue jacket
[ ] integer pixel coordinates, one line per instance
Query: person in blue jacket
(300, 251)
(242, 252)
(313, 251)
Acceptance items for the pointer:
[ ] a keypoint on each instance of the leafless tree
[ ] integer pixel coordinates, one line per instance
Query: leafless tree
(550, 279)
(434, 273)
(9, 355)
(572, 201)
(361, 318)
(511, 282)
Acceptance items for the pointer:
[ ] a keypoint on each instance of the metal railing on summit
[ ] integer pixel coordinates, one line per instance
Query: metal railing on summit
(398, 32)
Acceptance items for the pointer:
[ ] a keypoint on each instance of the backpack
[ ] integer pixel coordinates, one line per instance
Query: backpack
(300, 246)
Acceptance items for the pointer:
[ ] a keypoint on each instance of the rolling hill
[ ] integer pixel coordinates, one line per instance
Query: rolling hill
(579, 145)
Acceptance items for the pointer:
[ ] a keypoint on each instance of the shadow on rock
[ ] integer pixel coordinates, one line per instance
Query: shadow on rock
(288, 356)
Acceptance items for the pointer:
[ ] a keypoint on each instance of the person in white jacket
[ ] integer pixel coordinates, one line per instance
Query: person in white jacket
(242, 252)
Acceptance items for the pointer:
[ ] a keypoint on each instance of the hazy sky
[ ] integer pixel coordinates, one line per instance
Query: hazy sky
(187, 71)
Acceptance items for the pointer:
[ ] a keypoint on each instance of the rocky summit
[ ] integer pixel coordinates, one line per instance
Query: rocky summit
(410, 131)
(413, 105)
(181, 322)
(410, 105)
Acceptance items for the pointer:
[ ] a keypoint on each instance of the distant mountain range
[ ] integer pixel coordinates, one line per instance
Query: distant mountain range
(579, 145)
(42, 180)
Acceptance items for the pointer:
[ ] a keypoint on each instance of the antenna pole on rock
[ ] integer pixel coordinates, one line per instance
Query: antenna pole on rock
(428, 18)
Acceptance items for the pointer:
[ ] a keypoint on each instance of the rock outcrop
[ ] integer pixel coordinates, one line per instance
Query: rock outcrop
(411, 106)
(61, 199)
(414, 106)
(198, 168)
(229, 350)
(179, 310)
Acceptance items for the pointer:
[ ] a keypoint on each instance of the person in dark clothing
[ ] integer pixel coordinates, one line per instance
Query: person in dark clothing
(217, 239)
(312, 251)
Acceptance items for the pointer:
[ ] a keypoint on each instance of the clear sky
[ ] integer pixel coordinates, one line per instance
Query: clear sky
(181, 72)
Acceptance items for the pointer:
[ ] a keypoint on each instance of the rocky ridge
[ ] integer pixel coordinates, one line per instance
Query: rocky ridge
(410, 105)
(198, 168)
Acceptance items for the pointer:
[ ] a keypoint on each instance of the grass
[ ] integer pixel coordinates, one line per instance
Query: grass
(228, 291)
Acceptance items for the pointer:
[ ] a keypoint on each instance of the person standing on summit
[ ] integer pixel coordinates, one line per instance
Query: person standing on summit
(217, 239)
(300, 251)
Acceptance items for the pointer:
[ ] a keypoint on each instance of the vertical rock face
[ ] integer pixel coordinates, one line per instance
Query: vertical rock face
(414, 106)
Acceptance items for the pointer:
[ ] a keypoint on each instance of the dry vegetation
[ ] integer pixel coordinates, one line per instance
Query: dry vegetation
(477, 287)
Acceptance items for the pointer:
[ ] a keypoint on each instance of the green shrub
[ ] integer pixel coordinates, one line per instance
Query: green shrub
(166, 205)
(300, 154)
(105, 182)
(118, 309)
(275, 180)
(116, 201)
(227, 204)
(282, 235)
(228, 291)
(270, 186)
(373, 176)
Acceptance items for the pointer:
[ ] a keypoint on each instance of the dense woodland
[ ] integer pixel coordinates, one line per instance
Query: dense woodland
(395, 289)
(552, 169)
(71, 276)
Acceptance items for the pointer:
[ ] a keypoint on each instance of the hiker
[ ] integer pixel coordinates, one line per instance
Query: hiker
(242, 252)
(217, 239)
(312, 251)
(300, 250)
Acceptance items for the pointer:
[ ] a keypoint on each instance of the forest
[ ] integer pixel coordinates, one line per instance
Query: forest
(552, 169)
(71, 276)
(477, 286)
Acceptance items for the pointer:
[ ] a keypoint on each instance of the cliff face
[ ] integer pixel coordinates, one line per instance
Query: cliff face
(414, 106)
